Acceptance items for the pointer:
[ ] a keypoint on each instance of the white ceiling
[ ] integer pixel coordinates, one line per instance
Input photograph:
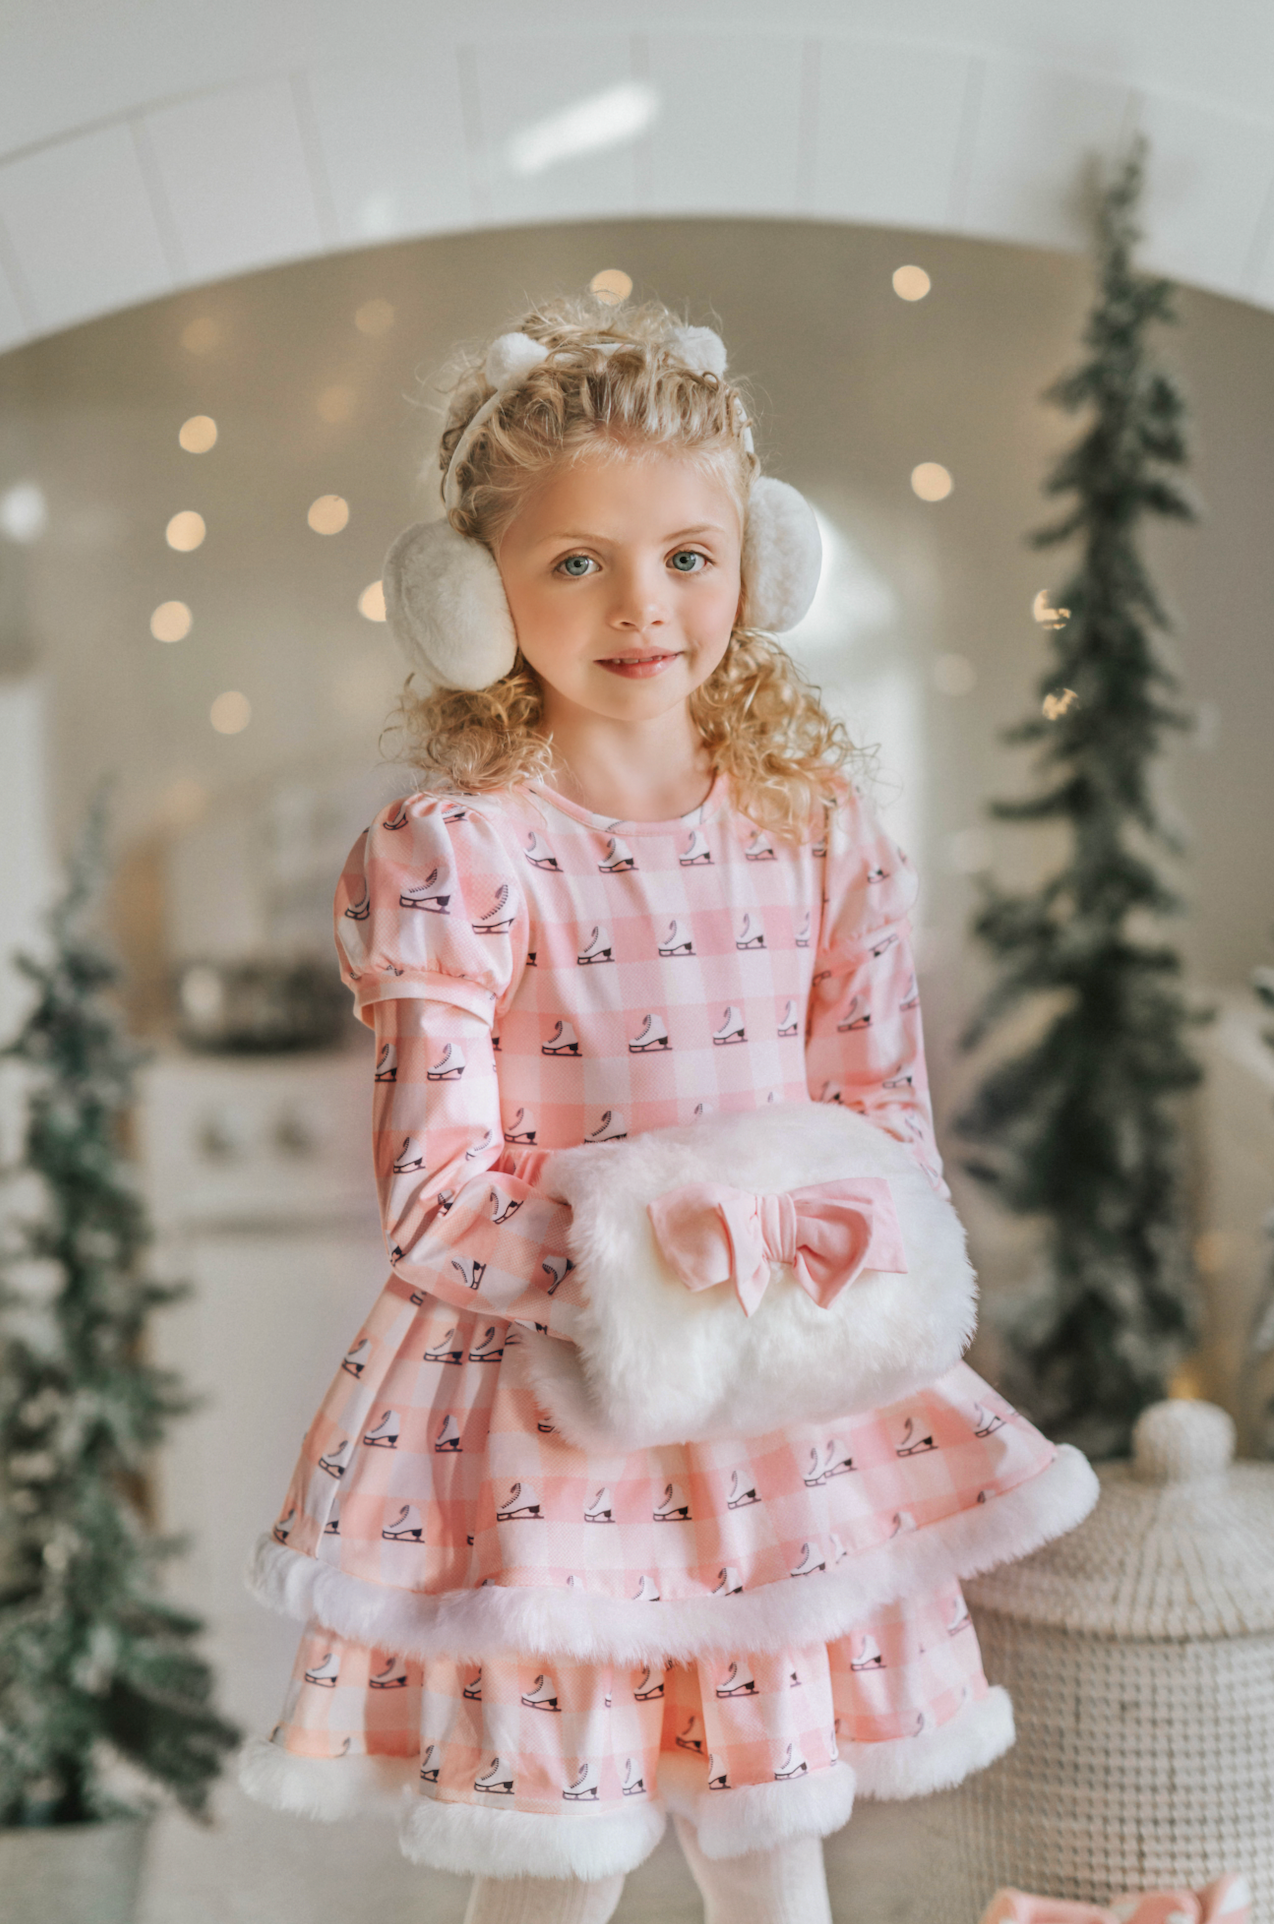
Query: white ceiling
(149, 147)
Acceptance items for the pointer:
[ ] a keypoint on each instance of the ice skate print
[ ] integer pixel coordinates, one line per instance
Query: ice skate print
(283, 1528)
(332, 1528)
(562, 1042)
(634, 1784)
(651, 1037)
(446, 1351)
(717, 1779)
(600, 1510)
(912, 998)
(385, 1434)
(696, 853)
(611, 1128)
(324, 1674)
(901, 1081)
(647, 1591)
(433, 895)
(886, 943)
(793, 1765)
(500, 917)
(559, 1268)
(449, 1067)
(731, 1029)
(354, 1362)
(676, 942)
(398, 817)
(542, 1696)
(904, 1522)
(361, 908)
(749, 936)
(473, 1689)
(876, 874)
(392, 1677)
(830, 1092)
(521, 1505)
(502, 1207)
(729, 1583)
(788, 1023)
(480, 1148)
(737, 1682)
(959, 1619)
(672, 1508)
(387, 1063)
(703, 1109)
(986, 1422)
(539, 856)
(445, 1198)
(596, 949)
(618, 858)
(521, 1129)
(802, 937)
(406, 1526)
(742, 1492)
(810, 1561)
(833, 1460)
(690, 1739)
(336, 1462)
(647, 1689)
(428, 1768)
(760, 849)
(447, 1441)
(913, 1444)
(583, 1787)
(410, 1159)
(856, 1016)
(469, 1270)
(488, 1350)
(496, 1782)
(818, 849)
(867, 1656)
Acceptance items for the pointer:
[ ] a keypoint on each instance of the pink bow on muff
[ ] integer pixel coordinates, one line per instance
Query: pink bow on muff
(709, 1233)
(1227, 1900)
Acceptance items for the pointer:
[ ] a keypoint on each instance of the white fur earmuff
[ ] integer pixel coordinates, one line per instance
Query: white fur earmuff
(445, 601)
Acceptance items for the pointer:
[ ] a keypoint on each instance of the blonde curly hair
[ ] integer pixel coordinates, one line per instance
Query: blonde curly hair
(618, 379)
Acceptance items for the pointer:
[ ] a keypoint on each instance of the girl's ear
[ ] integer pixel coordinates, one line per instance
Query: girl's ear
(446, 607)
(782, 556)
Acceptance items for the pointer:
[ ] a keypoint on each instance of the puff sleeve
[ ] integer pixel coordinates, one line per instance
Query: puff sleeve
(431, 928)
(865, 1040)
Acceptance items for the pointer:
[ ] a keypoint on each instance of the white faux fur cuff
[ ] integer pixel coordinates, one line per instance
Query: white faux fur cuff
(654, 1362)
(324, 1788)
(915, 1766)
(514, 1843)
(501, 1620)
(756, 1817)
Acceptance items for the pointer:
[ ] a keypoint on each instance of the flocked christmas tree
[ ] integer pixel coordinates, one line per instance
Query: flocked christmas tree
(1082, 1127)
(95, 1666)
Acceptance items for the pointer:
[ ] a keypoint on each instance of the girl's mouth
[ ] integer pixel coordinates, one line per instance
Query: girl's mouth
(637, 667)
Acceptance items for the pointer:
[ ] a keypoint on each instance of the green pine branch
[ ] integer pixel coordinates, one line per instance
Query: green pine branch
(92, 1660)
(1081, 1126)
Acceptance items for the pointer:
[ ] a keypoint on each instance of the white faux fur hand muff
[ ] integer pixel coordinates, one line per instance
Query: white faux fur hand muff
(654, 1362)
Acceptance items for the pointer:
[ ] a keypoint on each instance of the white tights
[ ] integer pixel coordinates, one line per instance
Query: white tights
(785, 1885)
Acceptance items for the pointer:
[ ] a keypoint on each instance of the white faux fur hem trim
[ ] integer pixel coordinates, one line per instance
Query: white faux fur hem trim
(324, 1788)
(503, 1620)
(512, 1843)
(756, 1817)
(915, 1766)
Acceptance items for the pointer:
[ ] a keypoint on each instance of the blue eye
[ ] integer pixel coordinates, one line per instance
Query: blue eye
(577, 566)
(686, 561)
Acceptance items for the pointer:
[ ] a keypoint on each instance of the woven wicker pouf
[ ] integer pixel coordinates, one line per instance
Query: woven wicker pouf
(1139, 1653)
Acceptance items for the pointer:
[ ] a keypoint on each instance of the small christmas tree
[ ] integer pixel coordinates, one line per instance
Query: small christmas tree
(94, 1666)
(1263, 1321)
(1081, 1126)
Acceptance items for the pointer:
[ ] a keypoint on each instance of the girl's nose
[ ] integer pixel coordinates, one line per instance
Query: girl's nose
(640, 600)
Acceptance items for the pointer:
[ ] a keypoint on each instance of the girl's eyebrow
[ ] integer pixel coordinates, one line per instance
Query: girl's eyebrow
(677, 534)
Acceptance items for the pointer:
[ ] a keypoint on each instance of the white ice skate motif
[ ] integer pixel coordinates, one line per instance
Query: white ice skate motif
(749, 936)
(480, 1148)
(618, 858)
(856, 1016)
(355, 1360)
(445, 1351)
(559, 1268)
(539, 856)
(810, 1561)
(887, 942)
(912, 1443)
(737, 1682)
(867, 1656)
(398, 817)
(676, 942)
(496, 1782)
(469, 1270)
(584, 1785)
(717, 1779)
(904, 1522)
(521, 1129)
(410, 1157)
(647, 1689)
(911, 1000)
(433, 895)
(488, 1350)
(802, 937)
(336, 1462)
(634, 1784)
(611, 1128)
(473, 1689)
(502, 1207)
(542, 1695)
(793, 1765)
(731, 1029)
(562, 1042)
(385, 1434)
(652, 1035)
(499, 918)
(521, 1504)
(673, 1507)
(332, 1528)
(406, 1526)
(361, 907)
(600, 1510)
(647, 1591)
(730, 1584)
(428, 1768)
(742, 1492)
(387, 1063)
(283, 1529)
(703, 1109)
(450, 1065)
(447, 1441)
(392, 1677)
(987, 1421)
(788, 1020)
(903, 1080)
(325, 1673)
(959, 1619)
(696, 853)
(596, 949)
(690, 1739)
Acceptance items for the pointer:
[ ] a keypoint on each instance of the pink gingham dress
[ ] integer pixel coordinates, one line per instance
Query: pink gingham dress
(508, 1623)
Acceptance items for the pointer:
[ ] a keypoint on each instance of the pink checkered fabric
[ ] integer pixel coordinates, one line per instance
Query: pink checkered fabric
(538, 977)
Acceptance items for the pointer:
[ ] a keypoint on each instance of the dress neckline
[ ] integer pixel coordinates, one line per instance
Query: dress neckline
(711, 804)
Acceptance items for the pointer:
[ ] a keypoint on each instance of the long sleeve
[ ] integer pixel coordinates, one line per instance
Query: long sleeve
(865, 1043)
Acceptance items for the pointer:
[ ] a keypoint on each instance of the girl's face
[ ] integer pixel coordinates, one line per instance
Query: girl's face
(622, 576)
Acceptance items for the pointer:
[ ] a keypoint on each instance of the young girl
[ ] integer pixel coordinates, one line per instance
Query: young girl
(582, 1534)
